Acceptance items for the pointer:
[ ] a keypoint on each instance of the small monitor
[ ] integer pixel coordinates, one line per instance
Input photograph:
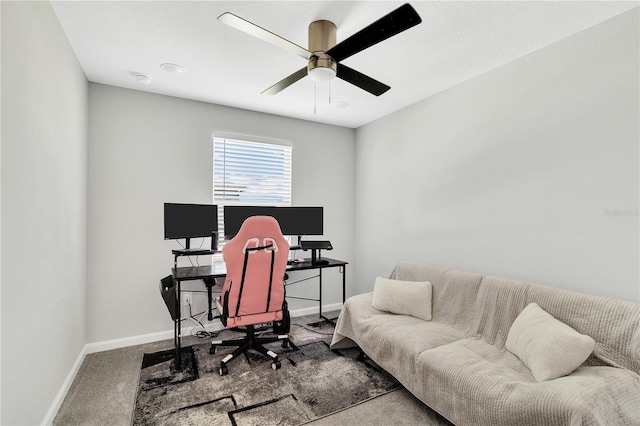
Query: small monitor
(189, 220)
(301, 220)
(293, 220)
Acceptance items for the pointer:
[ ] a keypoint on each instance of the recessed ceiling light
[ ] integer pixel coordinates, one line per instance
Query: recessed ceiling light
(143, 79)
(173, 68)
(339, 104)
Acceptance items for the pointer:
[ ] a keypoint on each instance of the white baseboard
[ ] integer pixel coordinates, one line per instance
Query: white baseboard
(62, 393)
(142, 339)
(313, 310)
(164, 335)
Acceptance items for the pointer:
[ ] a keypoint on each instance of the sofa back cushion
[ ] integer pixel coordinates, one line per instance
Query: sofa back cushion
(500, 301)
(613, 324)
(487, 307)
(453, 295)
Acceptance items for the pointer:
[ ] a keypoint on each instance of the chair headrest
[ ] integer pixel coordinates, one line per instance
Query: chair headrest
(258, 232)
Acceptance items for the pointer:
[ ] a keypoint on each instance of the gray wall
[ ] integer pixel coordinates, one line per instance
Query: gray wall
(147, 149)
(44, 192)
(529, 171)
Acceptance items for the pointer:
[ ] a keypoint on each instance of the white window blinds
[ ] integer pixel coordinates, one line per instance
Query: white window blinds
(251, 173)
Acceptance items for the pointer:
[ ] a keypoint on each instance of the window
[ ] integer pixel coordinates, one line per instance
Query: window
(250, 173)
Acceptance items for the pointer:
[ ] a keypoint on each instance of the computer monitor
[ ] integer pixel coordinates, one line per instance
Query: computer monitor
(190, 221)
(293, 220)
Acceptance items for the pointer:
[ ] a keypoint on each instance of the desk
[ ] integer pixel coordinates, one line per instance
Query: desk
(218, 270)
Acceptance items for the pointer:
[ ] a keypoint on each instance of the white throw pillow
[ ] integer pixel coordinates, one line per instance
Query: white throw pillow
(550, 348)
(403, 297)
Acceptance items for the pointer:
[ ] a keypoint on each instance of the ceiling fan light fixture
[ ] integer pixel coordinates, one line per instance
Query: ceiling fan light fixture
(322, 75)
(321, 67)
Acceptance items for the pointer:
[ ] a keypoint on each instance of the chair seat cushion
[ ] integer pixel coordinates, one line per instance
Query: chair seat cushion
(248, 319)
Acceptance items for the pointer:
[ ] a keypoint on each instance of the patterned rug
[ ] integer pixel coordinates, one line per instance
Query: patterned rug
(312, 382)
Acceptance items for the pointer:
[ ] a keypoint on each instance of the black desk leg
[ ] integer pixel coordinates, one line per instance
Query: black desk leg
(176, 328)
(344, 283)
(209, 285)
(320, 292)
(322, 317)
(344, 292)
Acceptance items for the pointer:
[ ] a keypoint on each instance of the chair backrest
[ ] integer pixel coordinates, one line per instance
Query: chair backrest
(256, 261)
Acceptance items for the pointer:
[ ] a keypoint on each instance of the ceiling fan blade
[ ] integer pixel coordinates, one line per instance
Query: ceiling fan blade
(360, 80)
(265, 35)
(389, 25)
(286, 82)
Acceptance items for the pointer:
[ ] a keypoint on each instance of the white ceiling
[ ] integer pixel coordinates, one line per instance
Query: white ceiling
(455, 42)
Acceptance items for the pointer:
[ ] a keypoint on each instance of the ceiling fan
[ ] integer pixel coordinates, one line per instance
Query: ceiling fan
(324, 55)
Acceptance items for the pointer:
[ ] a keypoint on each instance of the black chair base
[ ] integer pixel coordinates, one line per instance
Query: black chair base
(251, 341)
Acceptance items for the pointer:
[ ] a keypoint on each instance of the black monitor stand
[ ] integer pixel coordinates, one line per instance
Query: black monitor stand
(317, 259)
(187, 250)
(316, 248)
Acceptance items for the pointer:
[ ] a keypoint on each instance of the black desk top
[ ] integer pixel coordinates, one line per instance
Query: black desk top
(332, 263)
(219, 270)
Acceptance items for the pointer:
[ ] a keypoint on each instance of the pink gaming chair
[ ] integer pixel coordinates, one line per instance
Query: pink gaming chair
(253, 291)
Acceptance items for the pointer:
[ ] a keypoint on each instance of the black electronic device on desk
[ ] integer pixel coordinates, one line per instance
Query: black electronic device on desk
(316, 247)
(192, 252)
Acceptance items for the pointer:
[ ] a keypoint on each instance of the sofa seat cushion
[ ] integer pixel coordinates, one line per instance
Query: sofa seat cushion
(472, 379)
(393, 341)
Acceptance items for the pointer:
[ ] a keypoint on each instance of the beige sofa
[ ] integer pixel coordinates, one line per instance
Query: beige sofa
(458, 364)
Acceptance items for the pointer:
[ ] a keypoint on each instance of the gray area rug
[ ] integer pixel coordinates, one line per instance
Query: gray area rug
(312, 382)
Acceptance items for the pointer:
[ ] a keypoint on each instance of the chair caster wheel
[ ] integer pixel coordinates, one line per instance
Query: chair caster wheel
(275, 365)
(286, 343)
(213, 350)
(224, 370)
